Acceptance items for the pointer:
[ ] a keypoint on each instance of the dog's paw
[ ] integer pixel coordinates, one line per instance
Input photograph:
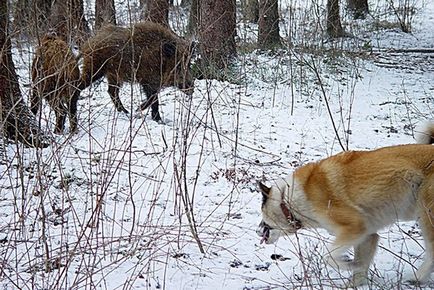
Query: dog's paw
(359, 279)
(413, 282)
(340, 263)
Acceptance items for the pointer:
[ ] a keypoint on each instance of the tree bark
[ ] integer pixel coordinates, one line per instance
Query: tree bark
(186, 3)
(68, 22)
(79, 24)
(31, 17)
(217, 32)
(251, 10)
(158, 11)
(268, 30)
(193, 18)
(359, 8)
(334, 26)
(104, 13)
(18, 123)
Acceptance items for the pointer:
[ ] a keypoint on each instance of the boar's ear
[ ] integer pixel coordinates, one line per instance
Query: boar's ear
(169, 49)
(265, 190)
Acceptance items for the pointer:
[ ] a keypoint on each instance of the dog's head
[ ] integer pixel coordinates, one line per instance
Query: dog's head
(277, 219)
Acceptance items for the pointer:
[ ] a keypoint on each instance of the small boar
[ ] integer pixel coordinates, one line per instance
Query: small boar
(147, 53)
(56, 77)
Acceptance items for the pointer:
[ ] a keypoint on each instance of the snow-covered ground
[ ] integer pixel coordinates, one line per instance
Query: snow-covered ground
(127, 203)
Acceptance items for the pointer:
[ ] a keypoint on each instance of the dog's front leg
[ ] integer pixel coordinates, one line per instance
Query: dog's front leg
(363, 254)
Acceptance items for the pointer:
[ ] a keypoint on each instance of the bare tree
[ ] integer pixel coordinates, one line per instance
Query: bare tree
(217, 32)
(31, 16)
(268, 30)
(251, 10)
(158, 11)
(104, 12)
(79, 24)
(193, 18)
(186, 3)
(17, 121)
(334, 26)
(59, 19)
(359, 8)
(68, 21)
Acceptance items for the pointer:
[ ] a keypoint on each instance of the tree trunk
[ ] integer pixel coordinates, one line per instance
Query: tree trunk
(186, 3)
(217, 32)
(80, 26)
(251, 10)
(68, 21)
(334, 26)
(193, 19)
(18, 123)
(31, 17)
(59, 19)
(268, 26)
(359, 8)
(104, 13)
(158, 12)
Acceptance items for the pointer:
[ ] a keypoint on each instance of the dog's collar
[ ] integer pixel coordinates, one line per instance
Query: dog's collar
(289, 216)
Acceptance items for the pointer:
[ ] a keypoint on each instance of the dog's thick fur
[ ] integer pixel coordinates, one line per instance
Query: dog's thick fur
(353, 195)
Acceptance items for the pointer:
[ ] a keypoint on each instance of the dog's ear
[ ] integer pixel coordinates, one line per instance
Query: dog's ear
(265, 190)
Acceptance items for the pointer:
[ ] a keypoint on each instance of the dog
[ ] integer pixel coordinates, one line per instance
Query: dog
(353, 195)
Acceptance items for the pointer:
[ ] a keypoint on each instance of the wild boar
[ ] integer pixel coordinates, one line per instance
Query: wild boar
(56, 77)
(147, 53)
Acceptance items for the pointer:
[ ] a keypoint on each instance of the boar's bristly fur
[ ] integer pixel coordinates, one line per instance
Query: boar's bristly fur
(56, 77)
(147, 53)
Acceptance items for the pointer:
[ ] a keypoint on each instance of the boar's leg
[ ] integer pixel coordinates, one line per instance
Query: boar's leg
(152, 101)
(72, 108)
(60, 111)
(35, 101)
(113, 90)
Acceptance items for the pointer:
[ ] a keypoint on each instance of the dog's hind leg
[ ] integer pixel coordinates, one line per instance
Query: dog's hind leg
(363, 254)
(426, 213)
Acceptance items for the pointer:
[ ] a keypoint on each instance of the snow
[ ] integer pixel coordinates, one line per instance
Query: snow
(127, 203)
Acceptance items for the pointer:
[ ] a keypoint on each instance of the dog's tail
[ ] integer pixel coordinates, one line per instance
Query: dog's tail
(425, 135)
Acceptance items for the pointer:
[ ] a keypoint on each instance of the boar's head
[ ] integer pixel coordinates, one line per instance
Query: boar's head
(176, 71)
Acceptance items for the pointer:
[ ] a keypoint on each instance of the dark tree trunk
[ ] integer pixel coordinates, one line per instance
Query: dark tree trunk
(334, 26)
(251, 10)
(193, 19)
(158, 11)
(186, 3)
(217, 32)
(104, 13)
(268, 26)
(18, 123)
(359, 8)
(59, 19)
(68, 21)
(31, 17)
(80, 26)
